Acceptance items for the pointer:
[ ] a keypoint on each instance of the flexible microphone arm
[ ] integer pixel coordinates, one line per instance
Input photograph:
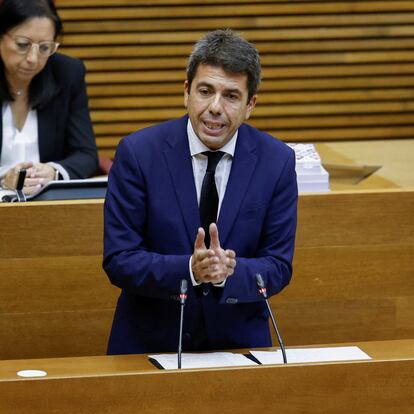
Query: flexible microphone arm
(262, 291)
(183, 297)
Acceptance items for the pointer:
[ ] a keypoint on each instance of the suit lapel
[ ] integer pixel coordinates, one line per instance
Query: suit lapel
(243, 166)
(178, 158)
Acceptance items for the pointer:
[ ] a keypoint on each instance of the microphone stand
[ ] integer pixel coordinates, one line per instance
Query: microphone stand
(262, 291)
(183, 297)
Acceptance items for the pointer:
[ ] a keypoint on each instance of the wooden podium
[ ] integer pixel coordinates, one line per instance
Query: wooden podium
(353, 274)
(131, 384)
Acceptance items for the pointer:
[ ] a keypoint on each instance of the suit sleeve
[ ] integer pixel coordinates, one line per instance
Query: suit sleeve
(128, 260)
(275, 246)
(81, 160)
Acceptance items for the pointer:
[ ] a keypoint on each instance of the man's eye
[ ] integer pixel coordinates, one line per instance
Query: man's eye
(204, 92)
(231, 97)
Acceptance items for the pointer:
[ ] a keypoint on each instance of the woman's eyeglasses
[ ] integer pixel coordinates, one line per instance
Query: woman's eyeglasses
(23, 46)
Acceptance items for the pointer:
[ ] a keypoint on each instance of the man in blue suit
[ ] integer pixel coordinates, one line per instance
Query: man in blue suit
(153, 233)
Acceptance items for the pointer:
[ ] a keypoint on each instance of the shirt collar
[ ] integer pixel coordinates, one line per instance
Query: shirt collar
(197, 147)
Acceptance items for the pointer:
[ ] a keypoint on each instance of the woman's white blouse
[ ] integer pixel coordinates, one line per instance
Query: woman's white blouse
(18, 146)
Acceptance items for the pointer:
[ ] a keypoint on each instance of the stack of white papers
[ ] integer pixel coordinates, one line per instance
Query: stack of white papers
(207, 360)
(311, 176)
(293, 355)
(303, 355)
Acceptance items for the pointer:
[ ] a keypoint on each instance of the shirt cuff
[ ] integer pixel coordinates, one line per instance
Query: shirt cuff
(193, 281)
(61, 170)
(221, 284)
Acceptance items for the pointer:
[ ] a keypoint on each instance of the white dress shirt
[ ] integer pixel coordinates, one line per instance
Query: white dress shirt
(200, 161)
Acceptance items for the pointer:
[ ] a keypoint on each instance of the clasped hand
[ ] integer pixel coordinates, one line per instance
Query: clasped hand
(212, 265)
(37, 176)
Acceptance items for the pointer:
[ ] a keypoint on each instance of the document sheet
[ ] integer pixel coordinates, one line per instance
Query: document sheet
(205, 360)
(301, 355)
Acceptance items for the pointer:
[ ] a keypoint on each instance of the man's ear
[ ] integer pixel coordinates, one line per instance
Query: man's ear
(250, 105)
(186, 93)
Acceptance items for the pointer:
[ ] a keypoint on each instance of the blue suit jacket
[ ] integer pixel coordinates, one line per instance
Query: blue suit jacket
(151, 220)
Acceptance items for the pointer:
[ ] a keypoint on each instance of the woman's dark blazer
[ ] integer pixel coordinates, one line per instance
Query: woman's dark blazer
(65, 128)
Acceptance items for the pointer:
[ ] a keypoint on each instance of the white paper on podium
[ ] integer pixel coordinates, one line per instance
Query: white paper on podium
(300, 355)
(206, 360)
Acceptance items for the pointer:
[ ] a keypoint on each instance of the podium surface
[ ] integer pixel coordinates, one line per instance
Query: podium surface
(131, 384)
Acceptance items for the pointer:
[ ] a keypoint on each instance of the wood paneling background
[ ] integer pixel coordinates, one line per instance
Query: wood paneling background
(332, 70)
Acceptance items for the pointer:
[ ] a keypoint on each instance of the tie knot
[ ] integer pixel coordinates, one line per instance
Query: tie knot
(213, 159)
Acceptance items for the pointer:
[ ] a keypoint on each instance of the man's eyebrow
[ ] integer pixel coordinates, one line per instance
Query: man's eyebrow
(227, 90)
(204, 83)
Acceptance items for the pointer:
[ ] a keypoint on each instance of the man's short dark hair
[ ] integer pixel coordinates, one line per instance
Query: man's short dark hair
(229, 51)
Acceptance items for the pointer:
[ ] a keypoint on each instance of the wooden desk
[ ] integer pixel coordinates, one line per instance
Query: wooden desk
(353, 270)
(353, 274)
(131, 384)
(55, 298)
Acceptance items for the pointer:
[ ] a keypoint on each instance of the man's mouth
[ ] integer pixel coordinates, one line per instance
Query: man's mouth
(213, 126)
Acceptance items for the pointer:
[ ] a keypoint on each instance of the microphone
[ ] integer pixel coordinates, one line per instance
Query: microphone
(19, 186)
(183, 297)
(262, 290)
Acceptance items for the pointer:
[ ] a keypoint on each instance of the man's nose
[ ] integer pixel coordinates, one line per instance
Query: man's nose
(216, 104)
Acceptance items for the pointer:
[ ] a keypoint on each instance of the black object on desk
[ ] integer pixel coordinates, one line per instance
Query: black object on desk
(71, 190)
(20, 184)
(64, 190)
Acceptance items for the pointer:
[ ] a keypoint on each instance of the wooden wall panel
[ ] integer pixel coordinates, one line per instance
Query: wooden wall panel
(322, 60)
(353, 269)
(34, 334)
(341, 271)
(346, 218)
(55, 298)
(353, 274)
(39, 230)
(51, 284)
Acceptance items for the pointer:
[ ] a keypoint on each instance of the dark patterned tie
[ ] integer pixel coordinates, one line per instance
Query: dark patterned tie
(209, 196)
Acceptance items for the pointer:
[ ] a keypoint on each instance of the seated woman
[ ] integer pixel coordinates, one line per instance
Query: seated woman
(45, 125)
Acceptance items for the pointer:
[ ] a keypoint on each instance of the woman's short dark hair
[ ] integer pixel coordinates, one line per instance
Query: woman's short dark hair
(14, 13)
(229, 51)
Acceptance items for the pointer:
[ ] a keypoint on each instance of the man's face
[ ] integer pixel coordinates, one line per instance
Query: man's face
(217, 104)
